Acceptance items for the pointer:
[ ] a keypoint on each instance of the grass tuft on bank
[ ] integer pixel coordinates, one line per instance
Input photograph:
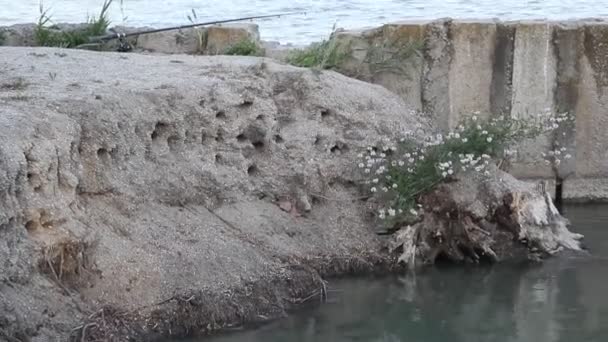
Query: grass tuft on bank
(48, 34)
(322, 55)
(246, 47)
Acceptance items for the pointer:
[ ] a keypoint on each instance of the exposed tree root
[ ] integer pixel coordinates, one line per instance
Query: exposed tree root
(476, 218)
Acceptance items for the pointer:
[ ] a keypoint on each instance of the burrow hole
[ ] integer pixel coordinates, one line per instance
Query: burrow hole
(241, 138)
(32, 225)
(220, 115)
(253, 170)
(219, 137)
(317, 140)
(339, 148)
(259, 145)
(218, 158)
(325, 113)
(103, 155)
(247, 102)
(159, 129)
(34, 180)
(278, 139)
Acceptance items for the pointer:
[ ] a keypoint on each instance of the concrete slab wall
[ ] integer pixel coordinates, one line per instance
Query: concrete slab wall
(522, 69)
(207, 40)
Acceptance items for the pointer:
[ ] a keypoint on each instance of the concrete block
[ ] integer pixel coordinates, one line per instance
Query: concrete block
(221, 38)
(534, 79)
(188, 41)
(502, 76)
(471, 69)
(391, 56)
(436, 73)
(586, 189)
(568, 39)
(592, 105)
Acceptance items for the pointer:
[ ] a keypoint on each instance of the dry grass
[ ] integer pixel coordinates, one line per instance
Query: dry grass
(66, 263)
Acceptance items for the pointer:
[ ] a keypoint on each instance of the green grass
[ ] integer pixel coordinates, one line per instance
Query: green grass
(324, 55)
(246, 47)
(46, 34)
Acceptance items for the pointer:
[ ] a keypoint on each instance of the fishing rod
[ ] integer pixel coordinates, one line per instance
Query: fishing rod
(121, 36)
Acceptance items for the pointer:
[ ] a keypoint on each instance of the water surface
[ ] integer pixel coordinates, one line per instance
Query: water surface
(563, 300)
(316, 25)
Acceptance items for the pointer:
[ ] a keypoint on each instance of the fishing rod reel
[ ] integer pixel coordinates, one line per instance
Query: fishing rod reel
(123, 44)
(98, 43)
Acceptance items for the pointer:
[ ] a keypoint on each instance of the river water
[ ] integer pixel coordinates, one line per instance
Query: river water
(562, 300)
(315, 25)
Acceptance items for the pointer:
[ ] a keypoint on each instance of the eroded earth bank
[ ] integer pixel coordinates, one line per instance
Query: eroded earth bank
(171, 195)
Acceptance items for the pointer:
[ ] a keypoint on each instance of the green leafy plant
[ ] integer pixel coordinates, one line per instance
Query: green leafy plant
(245, 47)
(327, 54)
(49, 35)
(397, 173)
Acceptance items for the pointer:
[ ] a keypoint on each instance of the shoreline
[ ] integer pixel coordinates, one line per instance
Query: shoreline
(202, 313)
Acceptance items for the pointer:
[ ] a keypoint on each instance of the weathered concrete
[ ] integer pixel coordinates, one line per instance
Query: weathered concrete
(186, 41)
(522, 69)
(388, 56)
(533, 82)
(471, 70)
(221, 37)
(592, 104)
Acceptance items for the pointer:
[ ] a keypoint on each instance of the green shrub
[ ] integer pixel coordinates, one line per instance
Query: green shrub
(398, 173)
(246, 47)
(323, 55)
(49, 35)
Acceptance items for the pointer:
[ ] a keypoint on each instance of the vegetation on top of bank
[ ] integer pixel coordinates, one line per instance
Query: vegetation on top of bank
(327, 54)
(398, 173)
(48, 34)
(245, 47)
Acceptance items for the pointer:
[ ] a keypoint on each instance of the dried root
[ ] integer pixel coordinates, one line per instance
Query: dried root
(477, 220)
